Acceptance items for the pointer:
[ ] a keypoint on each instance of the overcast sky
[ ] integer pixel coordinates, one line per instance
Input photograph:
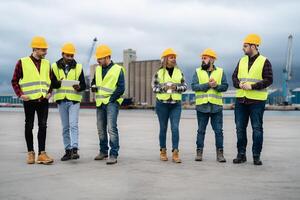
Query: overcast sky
(149, 27)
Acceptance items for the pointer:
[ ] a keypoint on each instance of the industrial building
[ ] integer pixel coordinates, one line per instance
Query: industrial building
(296, 96)
(140, 75)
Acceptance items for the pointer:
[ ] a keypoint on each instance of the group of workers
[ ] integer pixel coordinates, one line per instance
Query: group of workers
(35, 81)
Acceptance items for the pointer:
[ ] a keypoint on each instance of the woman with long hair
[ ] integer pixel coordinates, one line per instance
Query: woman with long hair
(168, 84)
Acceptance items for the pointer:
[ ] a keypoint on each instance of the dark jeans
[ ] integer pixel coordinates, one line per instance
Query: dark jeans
(41, 108)
(107, 116)
(166, 111)
(242, 114)
(216, 121)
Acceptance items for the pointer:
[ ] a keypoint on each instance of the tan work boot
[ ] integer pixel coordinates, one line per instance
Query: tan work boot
(175, 157)
(43, 158)
(163, 154)
(30, 157)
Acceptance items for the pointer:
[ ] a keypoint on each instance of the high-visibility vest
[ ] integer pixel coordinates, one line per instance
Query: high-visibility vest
(165, 78)
(108, 84)
(251, 76)
(210, 96)
(67, 92)
(35, 84)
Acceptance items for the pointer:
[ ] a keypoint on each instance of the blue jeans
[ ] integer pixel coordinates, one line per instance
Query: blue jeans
(216, 121)
(242, 114)
(166, 111)
(107, 122)
(69, 119)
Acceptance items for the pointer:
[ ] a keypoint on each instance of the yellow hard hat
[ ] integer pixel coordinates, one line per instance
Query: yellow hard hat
(167, 52)
(68, 48)
(252, 39)
(209, 52)
(103, 51)
(39, 42)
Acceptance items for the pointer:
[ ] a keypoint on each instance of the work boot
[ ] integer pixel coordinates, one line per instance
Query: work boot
(199, 155)
(112, 160)
(43, 158)
(67, 155)
(241, 158)
(75, 154)
(101, 156)
(220, 155)
(175, 157)
(256, 160)
(163, 154)
(30, 157)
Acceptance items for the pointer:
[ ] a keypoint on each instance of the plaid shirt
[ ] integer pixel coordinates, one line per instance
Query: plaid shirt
(158, 88)
(18, 74)
(267, 75)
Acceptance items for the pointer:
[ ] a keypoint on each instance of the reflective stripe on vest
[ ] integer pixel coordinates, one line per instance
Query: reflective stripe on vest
(164, 78)
(210, 96)
(67, 92)
(35, 84)
(251, 76)
(105, 89)
(108, 84)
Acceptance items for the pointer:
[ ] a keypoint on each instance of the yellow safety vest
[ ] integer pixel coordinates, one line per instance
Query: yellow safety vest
(211, 95)
(164, 78)
(108, 84)
(67, 92)
(35, 84)
(251, 76)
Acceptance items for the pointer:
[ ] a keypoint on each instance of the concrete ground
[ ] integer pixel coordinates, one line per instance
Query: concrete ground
(139, 173)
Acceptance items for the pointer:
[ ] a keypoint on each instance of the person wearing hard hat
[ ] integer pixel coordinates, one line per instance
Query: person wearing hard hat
(109, 86)
(252, 76)
(31, 82)
(209, 82)
(168, 83)
(68, 98)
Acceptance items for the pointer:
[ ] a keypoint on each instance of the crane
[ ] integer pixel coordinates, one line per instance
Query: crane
(90, 54)
(287, 73)
(86, 95)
